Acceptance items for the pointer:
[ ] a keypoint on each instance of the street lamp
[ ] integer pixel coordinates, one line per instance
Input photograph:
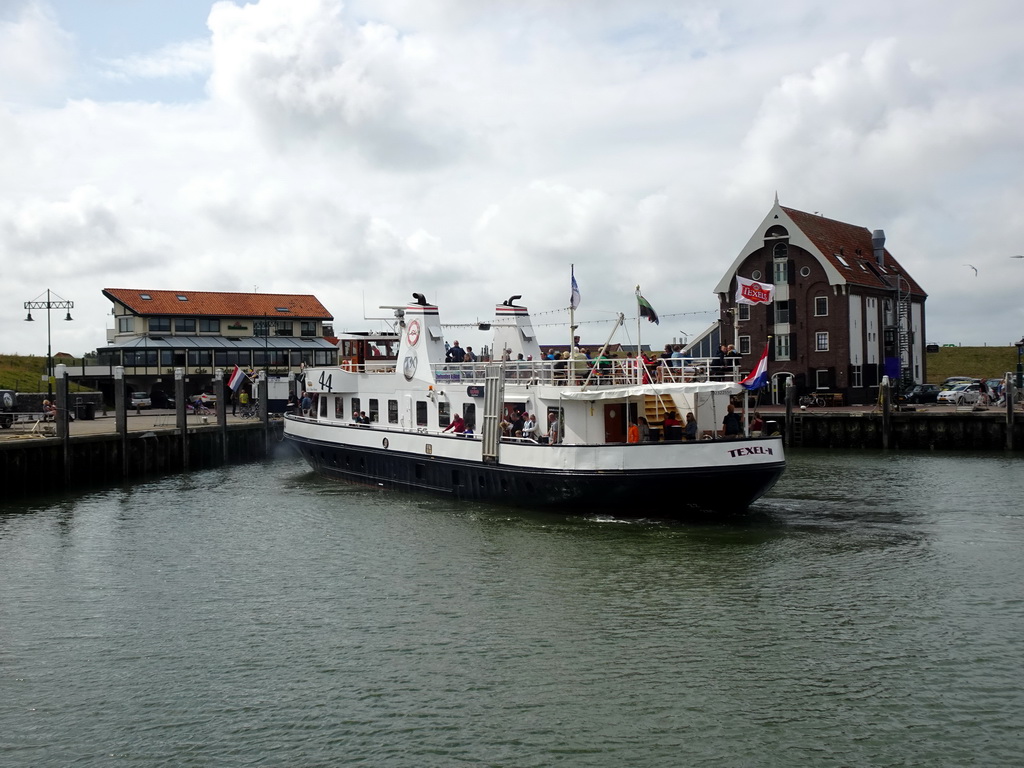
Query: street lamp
(48, 305)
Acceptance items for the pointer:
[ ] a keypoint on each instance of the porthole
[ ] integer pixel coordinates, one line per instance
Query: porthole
(805, 271)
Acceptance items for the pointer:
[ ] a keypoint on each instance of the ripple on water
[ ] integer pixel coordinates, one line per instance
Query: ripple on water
(862, 614)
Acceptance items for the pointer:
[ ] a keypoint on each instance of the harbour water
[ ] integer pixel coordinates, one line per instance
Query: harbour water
(868, 613)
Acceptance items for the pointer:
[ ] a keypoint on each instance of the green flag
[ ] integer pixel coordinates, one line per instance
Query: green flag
(646, 310)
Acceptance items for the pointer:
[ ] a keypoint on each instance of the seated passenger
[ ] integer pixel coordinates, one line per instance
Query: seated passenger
(671, 426)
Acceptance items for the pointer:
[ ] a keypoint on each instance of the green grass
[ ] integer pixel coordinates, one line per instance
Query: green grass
(25, 374)
(977, 362)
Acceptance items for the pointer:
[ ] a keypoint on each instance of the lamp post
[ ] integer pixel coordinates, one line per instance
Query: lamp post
(49, 304)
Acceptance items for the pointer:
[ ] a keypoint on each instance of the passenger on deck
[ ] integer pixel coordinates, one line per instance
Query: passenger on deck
(456, 354)
(554, 429)
(690, 430)
(529, 427)
(671, 426)
(756, 425)
(732, 425)
(645, 430)
(458, 425)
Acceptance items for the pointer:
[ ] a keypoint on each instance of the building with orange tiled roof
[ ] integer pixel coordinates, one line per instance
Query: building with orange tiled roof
(844, 314)
(156, 332)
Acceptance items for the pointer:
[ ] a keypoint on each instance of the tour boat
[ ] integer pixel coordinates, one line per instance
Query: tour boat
(399, 412)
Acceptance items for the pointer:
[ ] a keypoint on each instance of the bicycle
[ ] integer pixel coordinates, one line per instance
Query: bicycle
(812, 401)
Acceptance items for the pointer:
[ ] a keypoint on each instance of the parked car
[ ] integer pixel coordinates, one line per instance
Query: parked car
(140, 400)
(961, 394)
(952, 381)
(922, 393)
(205, 398)
(161, 399)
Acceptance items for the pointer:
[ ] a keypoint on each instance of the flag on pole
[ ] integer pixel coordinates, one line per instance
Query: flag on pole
(236, 379)
(574, 298)
(759, 376)
(646, 310)
(753, 292)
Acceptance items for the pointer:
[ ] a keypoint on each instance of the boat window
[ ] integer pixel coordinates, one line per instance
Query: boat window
(444, 414)
(355, 407)
(339, 408)
(469, 415)
(392, 411)
(421, 413)
(323, 406)
(374, 411)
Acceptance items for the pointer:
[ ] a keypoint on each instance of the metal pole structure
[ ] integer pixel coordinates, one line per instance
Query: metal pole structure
(1020, 367)
(121, 417)
(48, 305)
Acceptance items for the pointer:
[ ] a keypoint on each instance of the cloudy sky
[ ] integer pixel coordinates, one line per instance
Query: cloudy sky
(470, 150)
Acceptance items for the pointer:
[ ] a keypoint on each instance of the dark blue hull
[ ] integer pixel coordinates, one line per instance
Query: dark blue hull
(627, 494)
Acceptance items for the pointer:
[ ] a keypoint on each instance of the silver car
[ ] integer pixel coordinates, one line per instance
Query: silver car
(961, 394)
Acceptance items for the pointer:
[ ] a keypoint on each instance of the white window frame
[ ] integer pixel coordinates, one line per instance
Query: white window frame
(743, 311)
(780, 270)
(744, 345)
(819, 374)
(856, 376)
(819, 338)
(782, 312)
(782, 347)
(817, 310)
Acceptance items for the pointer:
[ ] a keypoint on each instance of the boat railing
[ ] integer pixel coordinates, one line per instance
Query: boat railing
(603, 372)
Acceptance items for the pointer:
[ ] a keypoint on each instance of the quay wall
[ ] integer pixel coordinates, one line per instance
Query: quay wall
(36, 466)
(953, 431)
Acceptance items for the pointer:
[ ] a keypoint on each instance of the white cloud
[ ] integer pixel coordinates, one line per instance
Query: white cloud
(179, 60)
(471, 151)
(35, 54)
(300, 70)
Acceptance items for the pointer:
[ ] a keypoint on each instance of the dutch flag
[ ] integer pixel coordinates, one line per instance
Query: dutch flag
(759, 376)
(236, 379)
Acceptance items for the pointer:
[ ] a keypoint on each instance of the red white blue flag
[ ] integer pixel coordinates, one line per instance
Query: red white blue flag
(759, 376)
(236, 379)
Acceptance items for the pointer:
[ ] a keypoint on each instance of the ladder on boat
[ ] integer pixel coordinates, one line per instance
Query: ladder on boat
(494, 396)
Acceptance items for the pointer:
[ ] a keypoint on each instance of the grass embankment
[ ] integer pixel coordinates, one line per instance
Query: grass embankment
(25, 374)
(978, 362)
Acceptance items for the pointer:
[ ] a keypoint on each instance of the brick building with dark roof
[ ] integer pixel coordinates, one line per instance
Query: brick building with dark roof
(156, 332)
(845, 313)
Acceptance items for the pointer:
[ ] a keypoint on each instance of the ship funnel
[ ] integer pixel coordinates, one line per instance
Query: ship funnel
(878, 243)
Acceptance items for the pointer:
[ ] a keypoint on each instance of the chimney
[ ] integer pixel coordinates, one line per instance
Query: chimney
(878, 243)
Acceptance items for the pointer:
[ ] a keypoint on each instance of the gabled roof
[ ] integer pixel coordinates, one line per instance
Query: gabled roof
(217, 304)
(840, 242)
(844, 250)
